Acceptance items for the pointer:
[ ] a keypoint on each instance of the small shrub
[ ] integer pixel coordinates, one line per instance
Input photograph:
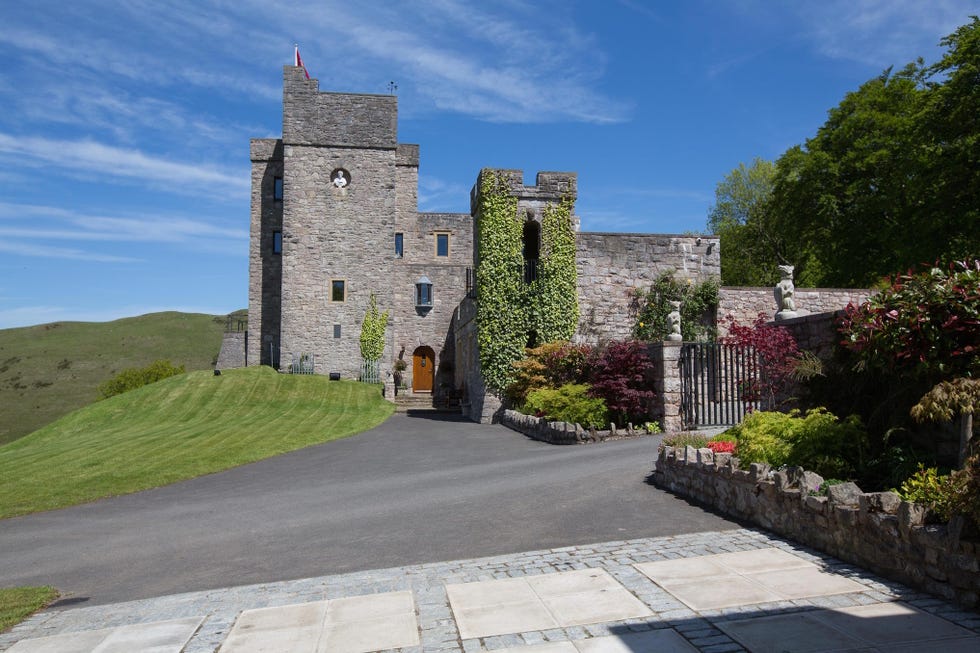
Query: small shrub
(570, 403)
(764, 437)
(829, 446)
(137, 377)
(619, 373)
(817, 441)
(652, 428)
(778, 353)
(937, 491)
(552, 365)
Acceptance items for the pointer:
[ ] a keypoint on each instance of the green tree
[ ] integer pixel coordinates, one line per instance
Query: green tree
(751, 245)
(373, 332)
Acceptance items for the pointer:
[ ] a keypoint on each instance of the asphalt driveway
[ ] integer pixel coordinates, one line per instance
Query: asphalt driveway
(412, 490)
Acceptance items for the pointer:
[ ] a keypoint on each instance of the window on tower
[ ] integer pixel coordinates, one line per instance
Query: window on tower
(338, 290)
(442, 244)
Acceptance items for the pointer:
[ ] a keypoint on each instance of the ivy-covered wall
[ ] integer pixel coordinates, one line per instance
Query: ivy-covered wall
(512, 308)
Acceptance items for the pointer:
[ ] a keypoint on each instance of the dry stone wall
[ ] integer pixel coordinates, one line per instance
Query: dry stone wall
(877, 531)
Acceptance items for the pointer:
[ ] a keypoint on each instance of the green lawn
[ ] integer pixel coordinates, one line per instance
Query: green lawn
(49, 370)
(18, 603)
(176, 429)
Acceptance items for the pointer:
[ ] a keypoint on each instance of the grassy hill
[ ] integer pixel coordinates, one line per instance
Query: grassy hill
(49, 370)
(179, 428)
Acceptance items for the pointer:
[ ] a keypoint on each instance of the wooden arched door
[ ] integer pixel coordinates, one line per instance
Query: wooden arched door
(423, 369)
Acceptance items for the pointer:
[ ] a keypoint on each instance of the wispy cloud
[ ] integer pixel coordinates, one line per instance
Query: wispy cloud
(91, 157)
(45, 251)
(438, 195)
(473, 60)
(881, 33)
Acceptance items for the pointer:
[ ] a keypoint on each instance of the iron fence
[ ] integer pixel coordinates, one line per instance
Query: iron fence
(719, 383)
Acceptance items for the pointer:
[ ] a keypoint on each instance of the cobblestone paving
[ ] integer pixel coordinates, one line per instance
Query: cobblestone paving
(438, 631)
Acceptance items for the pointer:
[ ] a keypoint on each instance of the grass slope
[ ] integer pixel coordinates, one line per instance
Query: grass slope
(49, 370)
(179, 428)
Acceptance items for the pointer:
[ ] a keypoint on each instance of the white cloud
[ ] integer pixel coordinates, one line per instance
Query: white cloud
(45, 251)
(882, 33)
(91, 157)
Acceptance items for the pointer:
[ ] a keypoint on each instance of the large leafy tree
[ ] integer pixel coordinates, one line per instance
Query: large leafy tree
(892, 179)
(751, 244)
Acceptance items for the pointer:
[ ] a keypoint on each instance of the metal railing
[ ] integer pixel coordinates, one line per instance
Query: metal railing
(719, 383)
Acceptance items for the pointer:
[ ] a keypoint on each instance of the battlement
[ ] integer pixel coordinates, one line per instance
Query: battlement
(312, 117)
(548, 186)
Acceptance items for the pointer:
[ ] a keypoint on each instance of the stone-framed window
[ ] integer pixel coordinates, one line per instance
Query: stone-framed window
(338, 290)
(399, 245)
(442, 244)
(277, 189)
(277, 242)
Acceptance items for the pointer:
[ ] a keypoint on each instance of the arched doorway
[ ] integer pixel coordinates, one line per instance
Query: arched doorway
(423, 369)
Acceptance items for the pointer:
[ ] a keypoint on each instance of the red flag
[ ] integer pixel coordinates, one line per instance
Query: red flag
(299, 63)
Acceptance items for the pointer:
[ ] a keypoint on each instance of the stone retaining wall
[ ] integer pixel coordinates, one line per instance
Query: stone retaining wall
(877, 531)
(560, 432)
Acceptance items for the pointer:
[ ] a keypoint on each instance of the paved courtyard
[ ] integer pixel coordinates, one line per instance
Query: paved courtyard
(719, 591)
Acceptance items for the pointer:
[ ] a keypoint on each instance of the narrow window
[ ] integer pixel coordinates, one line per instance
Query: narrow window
(336, 331)
(277, 189)
(277, 242)
(399, 245)
(442, 244)
(532, 250)
(337, 290)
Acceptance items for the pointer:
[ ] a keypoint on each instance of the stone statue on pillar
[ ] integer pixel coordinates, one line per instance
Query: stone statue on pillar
(674, 323)
(783, 292)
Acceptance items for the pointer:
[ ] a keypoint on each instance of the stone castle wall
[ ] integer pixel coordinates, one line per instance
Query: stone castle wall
(413, 326)
(264, 265)
(613, 266)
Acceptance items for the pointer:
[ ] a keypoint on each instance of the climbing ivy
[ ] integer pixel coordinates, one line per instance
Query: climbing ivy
(509, 309)
(698, 303)
(556, 297)
(501, 322)
(373, 332)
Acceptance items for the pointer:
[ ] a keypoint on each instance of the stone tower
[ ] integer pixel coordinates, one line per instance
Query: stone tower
(324, 206)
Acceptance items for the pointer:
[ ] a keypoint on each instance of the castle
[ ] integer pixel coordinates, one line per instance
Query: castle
(335, 221)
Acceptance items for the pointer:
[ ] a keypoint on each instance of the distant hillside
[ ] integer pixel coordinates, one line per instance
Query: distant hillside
(49, 370)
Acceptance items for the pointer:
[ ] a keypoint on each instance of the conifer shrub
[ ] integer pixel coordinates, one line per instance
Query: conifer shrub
(568, 403)
(817, 441)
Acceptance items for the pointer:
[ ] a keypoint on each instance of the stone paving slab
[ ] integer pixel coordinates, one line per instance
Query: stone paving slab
(748, 554)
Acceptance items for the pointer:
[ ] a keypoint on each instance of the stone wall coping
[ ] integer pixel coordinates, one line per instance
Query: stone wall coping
(876, 530)
(646, 235)
(768, 289)
(540, 428)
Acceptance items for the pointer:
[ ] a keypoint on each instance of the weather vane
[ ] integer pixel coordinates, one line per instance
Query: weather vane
(392, 87)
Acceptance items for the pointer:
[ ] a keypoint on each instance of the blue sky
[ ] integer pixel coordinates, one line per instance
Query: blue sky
(124, 172)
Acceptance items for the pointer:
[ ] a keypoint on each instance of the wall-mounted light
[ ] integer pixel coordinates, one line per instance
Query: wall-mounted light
(423, 292)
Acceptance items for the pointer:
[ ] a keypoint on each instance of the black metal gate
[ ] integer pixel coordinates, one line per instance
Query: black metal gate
(719, 383)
